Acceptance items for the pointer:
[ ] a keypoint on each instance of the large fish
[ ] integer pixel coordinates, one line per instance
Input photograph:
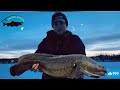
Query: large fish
(64, 66)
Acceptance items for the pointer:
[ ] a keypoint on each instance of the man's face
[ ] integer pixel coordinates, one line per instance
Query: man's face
(59, 27)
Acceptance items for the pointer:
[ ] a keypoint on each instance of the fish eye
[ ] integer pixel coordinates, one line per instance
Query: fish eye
(74, 64)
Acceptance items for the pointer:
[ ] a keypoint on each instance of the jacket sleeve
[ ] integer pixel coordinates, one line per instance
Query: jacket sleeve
(42, 47)
(77, 46)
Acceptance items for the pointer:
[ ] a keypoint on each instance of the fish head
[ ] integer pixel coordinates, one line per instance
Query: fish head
(91, 68)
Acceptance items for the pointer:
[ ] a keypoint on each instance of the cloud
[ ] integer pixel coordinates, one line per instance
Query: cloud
(15, 54)
(107, 49)
(101, 43)
(22, 44)
(102, 39)
(6, 56)
(104, 46)
(96, 53)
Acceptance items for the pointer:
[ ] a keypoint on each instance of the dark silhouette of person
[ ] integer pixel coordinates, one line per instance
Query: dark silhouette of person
(60, 41)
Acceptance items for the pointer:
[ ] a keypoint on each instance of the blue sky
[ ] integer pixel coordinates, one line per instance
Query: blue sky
(99, 31)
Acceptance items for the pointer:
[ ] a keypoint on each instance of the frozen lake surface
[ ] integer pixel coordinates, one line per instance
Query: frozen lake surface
(113, 72)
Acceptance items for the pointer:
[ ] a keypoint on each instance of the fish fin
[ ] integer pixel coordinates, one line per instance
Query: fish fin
(42, 67)
(95, 76)
(76, 73)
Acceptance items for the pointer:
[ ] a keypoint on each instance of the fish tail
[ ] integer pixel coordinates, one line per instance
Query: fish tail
(4, 24)
(13, 70)
(20, 69)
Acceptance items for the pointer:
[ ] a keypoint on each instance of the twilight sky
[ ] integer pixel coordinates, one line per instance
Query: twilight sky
(99, 31)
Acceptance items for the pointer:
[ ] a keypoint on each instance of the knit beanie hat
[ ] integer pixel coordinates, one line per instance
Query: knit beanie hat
(59, 16)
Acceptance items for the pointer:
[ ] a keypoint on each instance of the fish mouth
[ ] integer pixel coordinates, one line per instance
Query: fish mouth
(94, 74)
(94, 71)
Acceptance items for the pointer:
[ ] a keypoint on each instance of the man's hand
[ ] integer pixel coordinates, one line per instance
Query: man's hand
(35, 66)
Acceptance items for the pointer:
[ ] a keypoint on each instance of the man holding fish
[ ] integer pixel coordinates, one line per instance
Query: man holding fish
(61, 55)
(60, 41)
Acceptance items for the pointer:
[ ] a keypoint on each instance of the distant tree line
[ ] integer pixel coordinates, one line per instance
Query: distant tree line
(107, 57)
(8, 61)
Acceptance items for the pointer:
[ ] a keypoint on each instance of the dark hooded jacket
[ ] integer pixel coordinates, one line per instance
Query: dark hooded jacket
(60, 45)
